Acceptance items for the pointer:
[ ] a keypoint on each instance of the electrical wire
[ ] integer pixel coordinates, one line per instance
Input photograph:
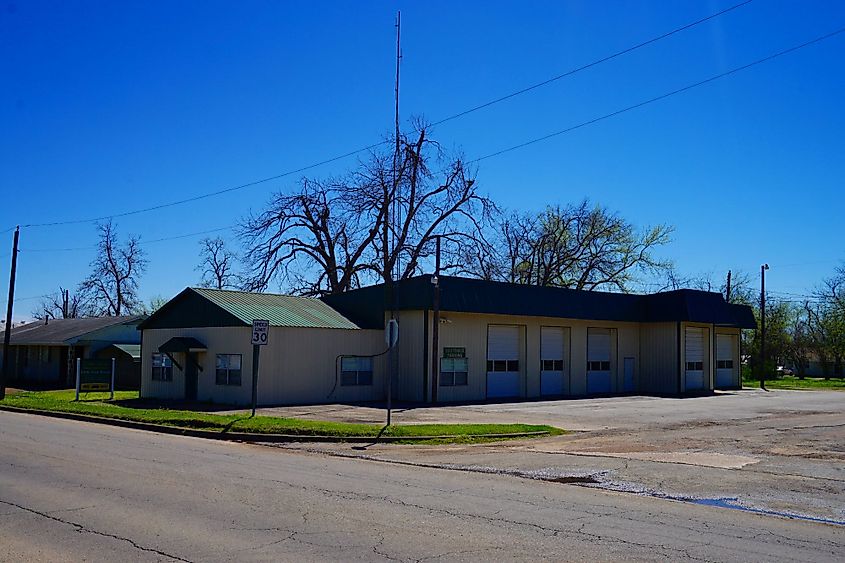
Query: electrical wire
(141, 243)
(661, 97)
(206, 195)
(592, 64)
(372, 146)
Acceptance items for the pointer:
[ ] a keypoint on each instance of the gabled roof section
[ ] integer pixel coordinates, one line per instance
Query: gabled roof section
(59, 332)
(200, 307)
(366, 306)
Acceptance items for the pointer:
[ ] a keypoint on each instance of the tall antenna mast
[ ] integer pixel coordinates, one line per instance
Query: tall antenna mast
(392, 207)
(397, 209)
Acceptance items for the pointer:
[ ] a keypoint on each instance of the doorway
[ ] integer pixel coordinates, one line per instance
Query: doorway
(191, 376)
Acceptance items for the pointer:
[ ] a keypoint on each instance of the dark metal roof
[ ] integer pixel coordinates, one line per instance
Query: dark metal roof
(366, 306)
(181, 344)
(58, 332)
(217, 308)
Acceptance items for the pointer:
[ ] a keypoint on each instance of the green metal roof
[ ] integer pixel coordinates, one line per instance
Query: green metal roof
(133, 350)
(280, 310)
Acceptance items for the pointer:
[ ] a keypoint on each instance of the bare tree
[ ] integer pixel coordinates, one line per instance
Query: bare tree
(112, 286)
(60, 305)
(578, 246)
(217, 263)
(155, 303)
(329, 236)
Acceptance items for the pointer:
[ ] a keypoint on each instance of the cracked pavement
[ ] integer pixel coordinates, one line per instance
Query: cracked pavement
(72, 491)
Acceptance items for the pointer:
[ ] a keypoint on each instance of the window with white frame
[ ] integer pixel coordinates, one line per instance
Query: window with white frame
(162, 368)
(228, 369)
(356, 370)
(453, 372)
(724, 364)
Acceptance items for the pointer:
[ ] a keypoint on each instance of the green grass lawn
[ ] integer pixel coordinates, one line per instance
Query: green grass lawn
(97, 404)
(792, 382)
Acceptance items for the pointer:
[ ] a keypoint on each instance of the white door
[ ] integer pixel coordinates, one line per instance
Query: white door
(502, 361)
(725, 374)
(598, 360)
(694, 358)
(629, 375)
(551, 360)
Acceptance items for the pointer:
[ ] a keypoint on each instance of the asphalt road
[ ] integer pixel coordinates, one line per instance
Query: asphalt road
(72, 491)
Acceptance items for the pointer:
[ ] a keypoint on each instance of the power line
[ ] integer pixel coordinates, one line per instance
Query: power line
(592, 64)
(141, 243)
(206, 195)
(372, 146)
(805, 263)
(662, 96)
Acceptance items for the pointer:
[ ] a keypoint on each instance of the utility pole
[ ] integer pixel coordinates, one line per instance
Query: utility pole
(435, 329)
(4, 375)
(763, 269)
(391, 203)
(728, 288)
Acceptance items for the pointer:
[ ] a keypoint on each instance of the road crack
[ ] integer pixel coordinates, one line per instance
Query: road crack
(85, 530)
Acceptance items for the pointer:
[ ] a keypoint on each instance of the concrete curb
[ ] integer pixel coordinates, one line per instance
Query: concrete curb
(250, 436)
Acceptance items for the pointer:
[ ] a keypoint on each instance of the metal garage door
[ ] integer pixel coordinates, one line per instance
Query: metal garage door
(725, 374)
(502, 361)
(598, 360)
(694, 358)
(551, 360)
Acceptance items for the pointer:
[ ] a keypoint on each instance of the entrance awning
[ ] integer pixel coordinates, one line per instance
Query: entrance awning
(182, 344)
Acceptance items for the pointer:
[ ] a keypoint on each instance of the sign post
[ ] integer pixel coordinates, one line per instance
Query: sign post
(260, 337)
(78, 370)
(112, 380)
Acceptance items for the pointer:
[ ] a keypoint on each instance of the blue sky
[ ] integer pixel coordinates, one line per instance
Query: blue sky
(112, 106)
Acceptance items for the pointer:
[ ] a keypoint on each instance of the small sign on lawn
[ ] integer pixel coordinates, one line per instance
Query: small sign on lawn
(95, 375)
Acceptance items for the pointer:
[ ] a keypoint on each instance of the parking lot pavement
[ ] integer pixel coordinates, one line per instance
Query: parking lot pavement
(589, 414)
(780, 451)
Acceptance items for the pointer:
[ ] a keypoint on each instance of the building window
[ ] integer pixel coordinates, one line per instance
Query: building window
(695, 366)
(453, 371)
(162, 368)
(356, 370)
(228, 369)
(598, 366)
(724, 364)
(552, 365)
(502, 365)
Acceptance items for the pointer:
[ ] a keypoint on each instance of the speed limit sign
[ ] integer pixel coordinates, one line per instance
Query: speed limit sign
(260, 332)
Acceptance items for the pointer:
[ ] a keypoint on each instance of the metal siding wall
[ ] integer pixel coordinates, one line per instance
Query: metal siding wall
(628, 346)
(299, 366)
(470, 332)
(658, 358)
(411, 352)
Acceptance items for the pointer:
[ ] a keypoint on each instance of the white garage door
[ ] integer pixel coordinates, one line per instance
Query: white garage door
(502, 361)
(694, 358)
(725, 374)
(551, 360)
(598, 360)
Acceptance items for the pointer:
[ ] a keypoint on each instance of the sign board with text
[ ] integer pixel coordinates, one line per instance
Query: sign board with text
(95, 375)
(260, 332)
(454, 352)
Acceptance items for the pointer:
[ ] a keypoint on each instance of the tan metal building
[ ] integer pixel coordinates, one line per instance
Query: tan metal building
(197, 347)
(495, 341)
(499, 340)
